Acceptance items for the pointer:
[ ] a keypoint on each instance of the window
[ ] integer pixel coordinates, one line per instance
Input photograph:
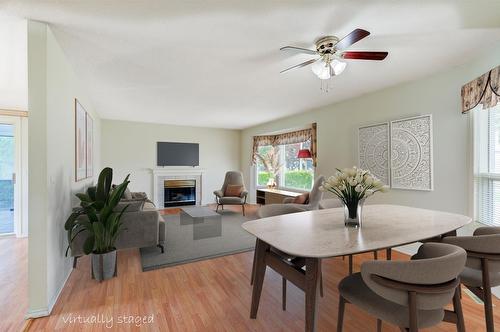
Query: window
(281, 164)
(487, 165)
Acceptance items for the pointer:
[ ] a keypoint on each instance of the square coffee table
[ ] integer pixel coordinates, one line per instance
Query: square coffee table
(206, 222)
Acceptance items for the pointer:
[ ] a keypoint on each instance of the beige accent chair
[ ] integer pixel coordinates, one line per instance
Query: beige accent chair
(409, 294)
(315, 196)
(232, 178)
(482, 269)
(272, 210)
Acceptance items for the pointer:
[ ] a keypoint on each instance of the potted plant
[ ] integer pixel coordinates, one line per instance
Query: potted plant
(97, 215)
(352, 186)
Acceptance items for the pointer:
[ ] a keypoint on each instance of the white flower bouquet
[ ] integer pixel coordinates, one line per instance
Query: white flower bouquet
(352, 186)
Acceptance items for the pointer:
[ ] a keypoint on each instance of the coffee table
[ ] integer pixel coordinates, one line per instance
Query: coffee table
(206, 222)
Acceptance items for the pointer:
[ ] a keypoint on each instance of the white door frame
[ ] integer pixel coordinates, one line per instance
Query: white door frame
(20, 167)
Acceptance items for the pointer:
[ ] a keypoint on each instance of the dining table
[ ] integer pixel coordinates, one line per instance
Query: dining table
(319, 234)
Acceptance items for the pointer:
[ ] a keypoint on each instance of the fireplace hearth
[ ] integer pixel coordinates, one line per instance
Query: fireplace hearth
(179, 192)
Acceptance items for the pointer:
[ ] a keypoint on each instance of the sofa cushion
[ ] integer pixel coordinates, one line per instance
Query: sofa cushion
(233, 190)
(134, 205)
(301, 199)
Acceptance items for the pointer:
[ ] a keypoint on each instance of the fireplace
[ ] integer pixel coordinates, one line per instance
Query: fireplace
(179, 192)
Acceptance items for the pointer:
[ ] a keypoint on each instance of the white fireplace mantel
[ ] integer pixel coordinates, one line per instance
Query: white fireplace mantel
(171, 173)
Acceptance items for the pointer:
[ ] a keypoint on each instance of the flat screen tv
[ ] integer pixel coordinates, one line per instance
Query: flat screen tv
(177, 154)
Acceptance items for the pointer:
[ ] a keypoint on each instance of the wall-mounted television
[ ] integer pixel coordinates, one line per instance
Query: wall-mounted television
(177, 154)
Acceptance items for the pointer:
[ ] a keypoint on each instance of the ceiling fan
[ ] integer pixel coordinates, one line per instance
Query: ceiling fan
(330, 51)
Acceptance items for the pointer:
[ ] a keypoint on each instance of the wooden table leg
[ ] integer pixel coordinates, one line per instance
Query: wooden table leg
(312, 292)
(388, 253)
(261, 248)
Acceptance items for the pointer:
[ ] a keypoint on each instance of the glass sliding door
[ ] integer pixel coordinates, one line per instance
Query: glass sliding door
(7, 177)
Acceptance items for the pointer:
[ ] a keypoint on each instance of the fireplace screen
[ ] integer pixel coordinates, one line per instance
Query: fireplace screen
(179, 192)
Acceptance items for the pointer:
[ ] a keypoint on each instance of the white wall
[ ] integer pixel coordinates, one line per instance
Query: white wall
(53, 85)
(13, 63)
(130, 147)
(438, 95)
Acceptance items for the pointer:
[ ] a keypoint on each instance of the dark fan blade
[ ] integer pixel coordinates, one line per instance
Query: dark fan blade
(298, 50)
(362, 55)
(355, 36)
(303, 64)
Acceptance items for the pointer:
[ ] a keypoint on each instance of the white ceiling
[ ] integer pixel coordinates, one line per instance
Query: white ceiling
(217, 63)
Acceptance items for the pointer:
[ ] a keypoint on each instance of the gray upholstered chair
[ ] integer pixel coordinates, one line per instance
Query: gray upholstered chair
(333, 203)
(315, 196)
(232, 178)
(272, 210)
(482, 269)
(409, 294)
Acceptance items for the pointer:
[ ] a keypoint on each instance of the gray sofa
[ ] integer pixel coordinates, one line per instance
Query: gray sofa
(143, 226)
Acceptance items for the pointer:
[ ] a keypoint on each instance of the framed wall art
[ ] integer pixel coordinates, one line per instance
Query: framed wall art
(411, 153)
(80, 142)
(373, 150)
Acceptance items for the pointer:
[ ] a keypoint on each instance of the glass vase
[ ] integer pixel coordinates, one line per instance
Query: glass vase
(353, 214)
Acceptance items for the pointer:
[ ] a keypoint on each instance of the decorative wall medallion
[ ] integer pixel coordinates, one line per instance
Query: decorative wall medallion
(411, 153)
(373, 147)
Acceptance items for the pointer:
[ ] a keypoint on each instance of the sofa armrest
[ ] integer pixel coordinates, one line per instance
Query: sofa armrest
(288, 200)
(139, 195)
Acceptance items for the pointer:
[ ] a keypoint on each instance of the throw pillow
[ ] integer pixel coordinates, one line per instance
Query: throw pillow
(301, 199)
(233, 190)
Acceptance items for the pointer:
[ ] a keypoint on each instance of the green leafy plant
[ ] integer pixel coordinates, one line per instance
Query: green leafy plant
(102, 224)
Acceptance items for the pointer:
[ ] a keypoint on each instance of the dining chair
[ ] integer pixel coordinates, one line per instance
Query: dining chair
(482, 270)
(409, 294)
(272, 210)
(332, 203)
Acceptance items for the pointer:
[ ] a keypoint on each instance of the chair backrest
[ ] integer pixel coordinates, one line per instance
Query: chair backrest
(433, 271)
(316, 194)
(272, 210)
(485, 241)
(233, 178)
(330, 203)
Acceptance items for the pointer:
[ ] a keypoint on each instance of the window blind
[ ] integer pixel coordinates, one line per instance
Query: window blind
(487, 165)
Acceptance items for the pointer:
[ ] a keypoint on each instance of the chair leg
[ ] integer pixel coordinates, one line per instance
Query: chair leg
(379, 325)
(350, 264)
(375, 255)
(283, 290)
(217, 208)
(388, 253)
(222, 207)
(243, 208)
(340, 319)
(162, 248)
(488, 305)
(75, 260)
(457, 308)
(412, 296)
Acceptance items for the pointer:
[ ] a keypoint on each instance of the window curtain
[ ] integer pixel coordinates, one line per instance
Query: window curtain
(483, 90)
(292, 137)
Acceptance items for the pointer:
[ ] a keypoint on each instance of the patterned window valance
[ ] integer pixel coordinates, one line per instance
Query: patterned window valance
(287, 138)
(483, 90)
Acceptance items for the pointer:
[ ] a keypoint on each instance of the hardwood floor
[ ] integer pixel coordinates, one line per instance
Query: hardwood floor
(211, 295)
(13, 283)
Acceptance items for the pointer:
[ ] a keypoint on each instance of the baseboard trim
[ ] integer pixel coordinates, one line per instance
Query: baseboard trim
(47, 311)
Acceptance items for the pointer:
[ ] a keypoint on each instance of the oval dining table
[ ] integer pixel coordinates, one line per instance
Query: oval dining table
(314, 235)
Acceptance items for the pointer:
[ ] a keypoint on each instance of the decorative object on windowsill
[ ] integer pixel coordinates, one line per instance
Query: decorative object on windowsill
(330, 53)
(98, 217)
(352, 186)
(271, 183)
(304, 154)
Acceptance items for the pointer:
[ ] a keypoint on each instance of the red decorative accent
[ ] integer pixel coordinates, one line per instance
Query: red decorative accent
(304, 153)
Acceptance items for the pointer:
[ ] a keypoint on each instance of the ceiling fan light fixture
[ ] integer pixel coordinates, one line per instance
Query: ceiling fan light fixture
(338, 66)
(321, 69)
